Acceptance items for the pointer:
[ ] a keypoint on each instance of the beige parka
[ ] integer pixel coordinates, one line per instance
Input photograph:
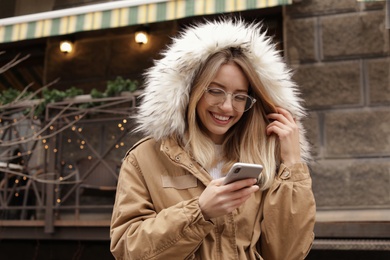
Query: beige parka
(156, 213)
(157, 216)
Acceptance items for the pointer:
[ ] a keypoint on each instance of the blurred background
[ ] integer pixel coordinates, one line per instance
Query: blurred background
(70, 75)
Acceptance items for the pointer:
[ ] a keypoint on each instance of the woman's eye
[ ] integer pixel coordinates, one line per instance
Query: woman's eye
(240, 98)
(216, 92)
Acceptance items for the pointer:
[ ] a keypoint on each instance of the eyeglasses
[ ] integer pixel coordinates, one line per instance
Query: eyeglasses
(217, 96)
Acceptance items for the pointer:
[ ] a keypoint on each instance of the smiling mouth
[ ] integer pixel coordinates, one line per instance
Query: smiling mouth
(220, 118)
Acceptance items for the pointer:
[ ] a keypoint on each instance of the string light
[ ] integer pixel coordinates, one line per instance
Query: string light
(67, 154)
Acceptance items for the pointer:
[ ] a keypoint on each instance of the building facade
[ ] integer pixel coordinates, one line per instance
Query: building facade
(339, 52)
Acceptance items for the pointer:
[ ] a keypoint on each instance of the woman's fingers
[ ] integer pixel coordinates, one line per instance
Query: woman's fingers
(286, 128)
(282, 116)
(217, 199)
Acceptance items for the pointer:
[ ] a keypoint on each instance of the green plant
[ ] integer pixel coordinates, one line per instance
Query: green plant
(114, 87)
(9, 95)
(73, 91)
(55, 95)
(97, 94)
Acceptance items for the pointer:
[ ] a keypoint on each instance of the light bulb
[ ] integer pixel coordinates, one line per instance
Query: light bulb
(141, 37)
(66, 46)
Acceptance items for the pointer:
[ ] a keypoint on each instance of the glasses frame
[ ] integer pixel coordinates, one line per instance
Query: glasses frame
(233, 95)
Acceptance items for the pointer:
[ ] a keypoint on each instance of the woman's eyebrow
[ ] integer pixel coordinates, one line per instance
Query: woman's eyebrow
(223, 87)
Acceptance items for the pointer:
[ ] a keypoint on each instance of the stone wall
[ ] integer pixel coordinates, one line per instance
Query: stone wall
(339, 52)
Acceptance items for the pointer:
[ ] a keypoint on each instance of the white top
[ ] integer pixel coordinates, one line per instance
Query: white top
(216, 172)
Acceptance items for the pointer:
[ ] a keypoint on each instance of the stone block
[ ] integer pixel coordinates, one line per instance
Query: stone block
(357, 133)
(301, 40)
(351, 183)
(354, 35)
(370, 183)
(330, 84)
(379, 81)
(315, 7)
(313, 133)
(330, 182)
(373, 5)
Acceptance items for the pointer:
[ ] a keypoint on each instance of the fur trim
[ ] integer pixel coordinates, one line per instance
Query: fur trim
(168, 82)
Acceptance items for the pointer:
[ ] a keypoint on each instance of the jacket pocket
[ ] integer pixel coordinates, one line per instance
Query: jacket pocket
(179, 182)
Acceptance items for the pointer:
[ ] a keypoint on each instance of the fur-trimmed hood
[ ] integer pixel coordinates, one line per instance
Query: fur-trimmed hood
(168, 83)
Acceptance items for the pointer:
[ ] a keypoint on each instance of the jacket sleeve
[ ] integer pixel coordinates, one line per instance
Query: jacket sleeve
(139, 232)
(288, 215)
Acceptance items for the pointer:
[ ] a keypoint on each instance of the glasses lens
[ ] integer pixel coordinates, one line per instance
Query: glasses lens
(241, 102)
(216, 97)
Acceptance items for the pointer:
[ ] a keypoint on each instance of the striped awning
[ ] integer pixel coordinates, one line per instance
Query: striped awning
(117, 14)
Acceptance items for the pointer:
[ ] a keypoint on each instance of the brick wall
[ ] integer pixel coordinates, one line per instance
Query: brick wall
(339, 51)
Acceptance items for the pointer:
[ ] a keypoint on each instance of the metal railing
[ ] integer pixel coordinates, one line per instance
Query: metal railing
(63, 177)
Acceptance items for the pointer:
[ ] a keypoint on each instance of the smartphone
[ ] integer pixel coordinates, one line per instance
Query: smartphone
(241, 171)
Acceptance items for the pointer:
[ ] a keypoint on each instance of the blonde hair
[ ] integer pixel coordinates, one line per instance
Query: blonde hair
(246, 141)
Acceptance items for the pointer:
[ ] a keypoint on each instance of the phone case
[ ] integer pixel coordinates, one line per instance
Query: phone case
(241, 171)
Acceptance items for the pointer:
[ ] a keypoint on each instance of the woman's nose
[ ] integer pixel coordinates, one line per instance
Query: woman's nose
(227, 104)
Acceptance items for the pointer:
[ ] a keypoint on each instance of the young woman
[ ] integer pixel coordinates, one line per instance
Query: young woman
(221, 94)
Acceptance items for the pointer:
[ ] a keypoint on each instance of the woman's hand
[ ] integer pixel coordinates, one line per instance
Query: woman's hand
(285, 127)
(218, 199)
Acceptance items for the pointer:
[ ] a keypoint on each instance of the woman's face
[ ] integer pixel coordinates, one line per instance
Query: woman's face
(217, 119)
